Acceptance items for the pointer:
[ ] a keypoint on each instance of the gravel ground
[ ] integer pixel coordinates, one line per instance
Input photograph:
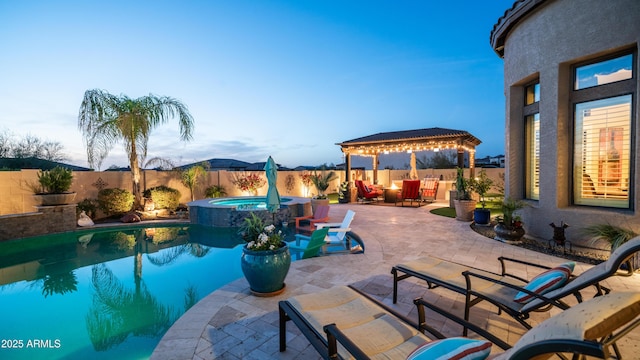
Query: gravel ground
(588, 256)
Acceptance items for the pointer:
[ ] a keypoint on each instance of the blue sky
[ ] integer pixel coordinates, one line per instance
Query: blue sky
(288, 79)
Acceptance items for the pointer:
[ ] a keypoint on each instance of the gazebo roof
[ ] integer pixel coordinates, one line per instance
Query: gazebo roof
(414, 140)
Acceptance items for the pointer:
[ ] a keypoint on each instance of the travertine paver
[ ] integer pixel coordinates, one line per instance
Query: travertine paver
(232, 324)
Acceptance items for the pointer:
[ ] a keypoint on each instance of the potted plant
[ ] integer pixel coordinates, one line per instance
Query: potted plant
(53, 186)
(321, 182)
(464, 204)
(509, 227)
(481, 185)
(265, 258)
(615, 236)
(343, 192)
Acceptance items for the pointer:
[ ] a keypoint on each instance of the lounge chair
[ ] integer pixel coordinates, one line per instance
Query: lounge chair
(430, 189)
(501, 289)
(308, 222)
(410, 191)
(367, 194)
(308, 247)
(343, 323)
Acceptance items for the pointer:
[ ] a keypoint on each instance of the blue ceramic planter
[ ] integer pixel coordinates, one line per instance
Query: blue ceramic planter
(482, 216)
(266, 270)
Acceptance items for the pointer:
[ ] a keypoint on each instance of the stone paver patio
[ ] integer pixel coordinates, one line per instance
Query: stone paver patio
(230, 323)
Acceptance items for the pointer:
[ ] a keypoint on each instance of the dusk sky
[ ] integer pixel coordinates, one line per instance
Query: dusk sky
(288, 79)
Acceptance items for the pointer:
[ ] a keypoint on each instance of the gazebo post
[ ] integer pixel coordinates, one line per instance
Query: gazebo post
(375, 168)
(460, 157)
(472, 163)
(347, 167)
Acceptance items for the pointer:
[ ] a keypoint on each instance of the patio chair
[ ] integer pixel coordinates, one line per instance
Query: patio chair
(308, 222)
(512, 294)
(344, 323)
(367, 194)
(304, 247)
(340, 234)
(337, 231)
(429, 189)
(410, 191)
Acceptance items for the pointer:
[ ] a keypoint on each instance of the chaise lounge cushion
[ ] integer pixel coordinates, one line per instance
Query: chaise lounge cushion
(377, 333)
(545, 282)
(590, 320)
(457, 348)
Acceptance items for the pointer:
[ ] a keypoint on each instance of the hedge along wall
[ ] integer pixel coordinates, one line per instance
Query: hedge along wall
(16, 197)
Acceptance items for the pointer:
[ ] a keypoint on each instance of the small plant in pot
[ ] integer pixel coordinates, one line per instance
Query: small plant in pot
(481, 185)
(343, 192)
(321, 181)
(509, 227)
(464, 204)
(53, 186)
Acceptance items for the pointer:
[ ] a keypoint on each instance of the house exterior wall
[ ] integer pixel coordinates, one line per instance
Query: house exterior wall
(543, 45)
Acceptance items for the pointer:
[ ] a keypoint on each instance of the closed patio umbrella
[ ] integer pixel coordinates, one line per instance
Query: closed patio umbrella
(413, 174)
(273, 197)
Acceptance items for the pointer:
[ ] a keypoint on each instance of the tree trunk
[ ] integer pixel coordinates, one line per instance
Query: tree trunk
(135, 175)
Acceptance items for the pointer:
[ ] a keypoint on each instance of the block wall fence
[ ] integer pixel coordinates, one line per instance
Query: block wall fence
(16, 197)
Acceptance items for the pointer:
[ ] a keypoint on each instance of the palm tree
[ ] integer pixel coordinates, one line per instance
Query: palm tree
(192, 176)
(106, 119)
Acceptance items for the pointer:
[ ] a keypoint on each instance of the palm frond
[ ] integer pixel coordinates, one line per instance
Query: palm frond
(612, 234)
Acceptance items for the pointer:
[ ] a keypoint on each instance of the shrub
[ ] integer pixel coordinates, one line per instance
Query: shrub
(55, 181)
(115, 201)
(164, 197)
(215, 191)
(89, 206)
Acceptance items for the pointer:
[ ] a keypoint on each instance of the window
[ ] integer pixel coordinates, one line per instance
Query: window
(604, 72)
(532, 94)
(602, 154)
(532, 138)
(532, 154)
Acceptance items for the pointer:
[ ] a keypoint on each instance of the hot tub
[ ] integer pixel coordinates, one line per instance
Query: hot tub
(231, 211)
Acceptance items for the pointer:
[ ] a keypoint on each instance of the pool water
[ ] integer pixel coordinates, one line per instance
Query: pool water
(251, 203)
(107, 294)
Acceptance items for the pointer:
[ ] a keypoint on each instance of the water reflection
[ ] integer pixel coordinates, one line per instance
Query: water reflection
(117, 312)
(110, 293)
(61, 283)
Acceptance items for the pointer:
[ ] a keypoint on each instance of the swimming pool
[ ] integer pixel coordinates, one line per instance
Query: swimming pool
(108, 293)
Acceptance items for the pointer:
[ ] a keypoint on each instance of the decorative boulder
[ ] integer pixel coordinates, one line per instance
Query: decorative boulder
(130, 218)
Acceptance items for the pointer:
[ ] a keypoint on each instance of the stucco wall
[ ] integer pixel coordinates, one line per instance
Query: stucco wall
(16, 197)
(545, 44)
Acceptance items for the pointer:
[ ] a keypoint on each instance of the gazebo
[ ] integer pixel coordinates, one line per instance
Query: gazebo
(431, 139)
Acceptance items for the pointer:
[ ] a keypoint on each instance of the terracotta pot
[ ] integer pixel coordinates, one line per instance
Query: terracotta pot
(316, 202)
(464, 209)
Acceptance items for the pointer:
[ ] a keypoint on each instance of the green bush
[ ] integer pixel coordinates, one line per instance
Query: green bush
(164, 197)
(115, 201)
(215, 191)
(55, 181)
(89, 206)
